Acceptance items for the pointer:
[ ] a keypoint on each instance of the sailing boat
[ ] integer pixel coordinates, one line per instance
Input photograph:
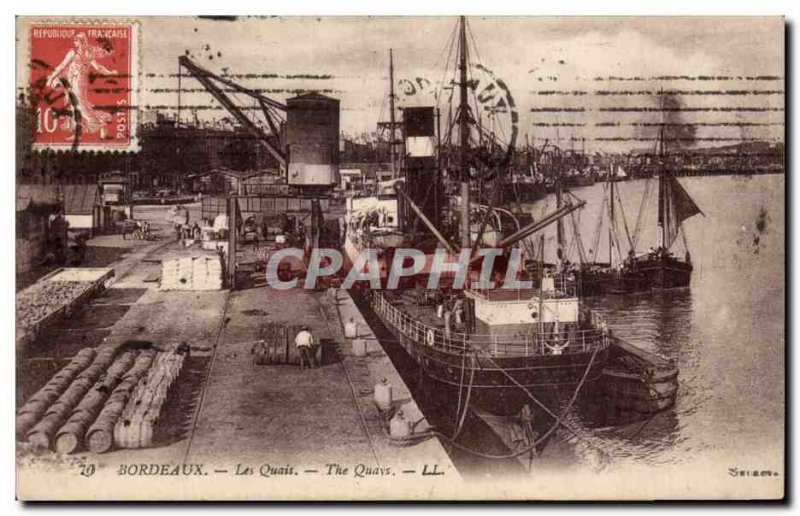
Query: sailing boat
(657, 269)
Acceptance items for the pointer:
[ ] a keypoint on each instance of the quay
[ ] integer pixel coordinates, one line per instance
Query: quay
(235, 418)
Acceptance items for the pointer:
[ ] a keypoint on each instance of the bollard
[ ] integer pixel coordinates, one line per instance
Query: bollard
(351, 329)
(383, 395)
(359, 347)
(399, 426)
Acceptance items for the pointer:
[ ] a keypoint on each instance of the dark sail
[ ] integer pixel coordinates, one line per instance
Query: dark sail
(679, 207)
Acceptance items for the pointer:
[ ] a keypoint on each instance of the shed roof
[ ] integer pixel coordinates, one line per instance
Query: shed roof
(312, 95)
(80, 199)
(29, 196)
(77, 199)
(240, 174)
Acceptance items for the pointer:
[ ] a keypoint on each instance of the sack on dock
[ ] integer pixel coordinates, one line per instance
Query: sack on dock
(200, 270)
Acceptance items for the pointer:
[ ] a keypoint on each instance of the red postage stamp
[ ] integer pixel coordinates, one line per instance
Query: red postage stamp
(83, 85)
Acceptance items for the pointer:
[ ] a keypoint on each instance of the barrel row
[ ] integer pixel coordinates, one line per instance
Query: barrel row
(277, 345)
(100, 435)
(43, 432)
(36, 406)
(134, 429)
(70, 436)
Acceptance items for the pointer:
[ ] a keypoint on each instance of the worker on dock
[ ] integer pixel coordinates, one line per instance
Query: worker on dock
(305, 342)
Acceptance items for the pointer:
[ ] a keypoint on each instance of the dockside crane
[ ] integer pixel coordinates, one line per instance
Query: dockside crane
(301, 136)
(270, 109)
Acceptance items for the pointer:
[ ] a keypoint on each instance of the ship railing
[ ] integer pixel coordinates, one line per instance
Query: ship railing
(544, 342)
(563, 286)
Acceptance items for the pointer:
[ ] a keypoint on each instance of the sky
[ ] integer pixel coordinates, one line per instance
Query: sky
(582, 80)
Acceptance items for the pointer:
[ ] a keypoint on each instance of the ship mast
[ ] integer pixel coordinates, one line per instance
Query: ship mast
(392, 122)
(463, 120)
(611, 222)
(662, 179)
(558, 159)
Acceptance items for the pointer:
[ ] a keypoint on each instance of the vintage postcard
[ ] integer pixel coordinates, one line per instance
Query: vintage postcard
(400, 258)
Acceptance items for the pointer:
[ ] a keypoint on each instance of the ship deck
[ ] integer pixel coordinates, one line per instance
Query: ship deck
(419, 321)
(426, 314)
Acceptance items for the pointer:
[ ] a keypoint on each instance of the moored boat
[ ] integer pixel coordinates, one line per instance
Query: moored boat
(500, 347)
(659, 268)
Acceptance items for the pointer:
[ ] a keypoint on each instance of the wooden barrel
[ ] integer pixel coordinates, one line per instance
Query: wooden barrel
(325, 351)
(68, 438)
(277, 352)
(25, 422)
(122, 433)
(135, 426)
(37, 405)
(41, 435)
(100, 436)
(280, 345)
(145, 433)
(64, 404)
(83, 382)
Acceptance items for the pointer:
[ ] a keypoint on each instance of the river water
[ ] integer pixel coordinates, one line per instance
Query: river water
(726, 332)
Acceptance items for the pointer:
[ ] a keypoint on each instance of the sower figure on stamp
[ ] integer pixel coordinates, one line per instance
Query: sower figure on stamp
(74, 75)
(305, 346)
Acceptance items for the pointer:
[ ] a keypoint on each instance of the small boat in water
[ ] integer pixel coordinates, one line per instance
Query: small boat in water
(659, 268)
(636, 380)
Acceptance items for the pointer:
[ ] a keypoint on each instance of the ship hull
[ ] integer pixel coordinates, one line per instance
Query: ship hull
(496, 380)
(665, 273)
(628, 392)
(644, 275)
(637, 381)
(524, 192)
(611, 282)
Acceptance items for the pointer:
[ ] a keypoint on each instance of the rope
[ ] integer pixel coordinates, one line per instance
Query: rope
(625, 221)
(578, 238)
(598, 229)
(461, 385)
(466, 403)
(613, 226)
(640, 217)
(558, 422)
(544, 407)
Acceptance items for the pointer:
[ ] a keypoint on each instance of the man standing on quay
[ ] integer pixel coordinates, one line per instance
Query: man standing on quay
(305, 342)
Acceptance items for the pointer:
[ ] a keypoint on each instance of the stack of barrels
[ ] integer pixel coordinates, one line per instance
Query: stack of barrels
(92, 402)
(278, 347)
(70, 436)
(43, 432)
(100, 436)
(36, 406)
(134, 429)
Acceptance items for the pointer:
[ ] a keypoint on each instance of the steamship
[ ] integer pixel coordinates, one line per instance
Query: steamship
(506, 347)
